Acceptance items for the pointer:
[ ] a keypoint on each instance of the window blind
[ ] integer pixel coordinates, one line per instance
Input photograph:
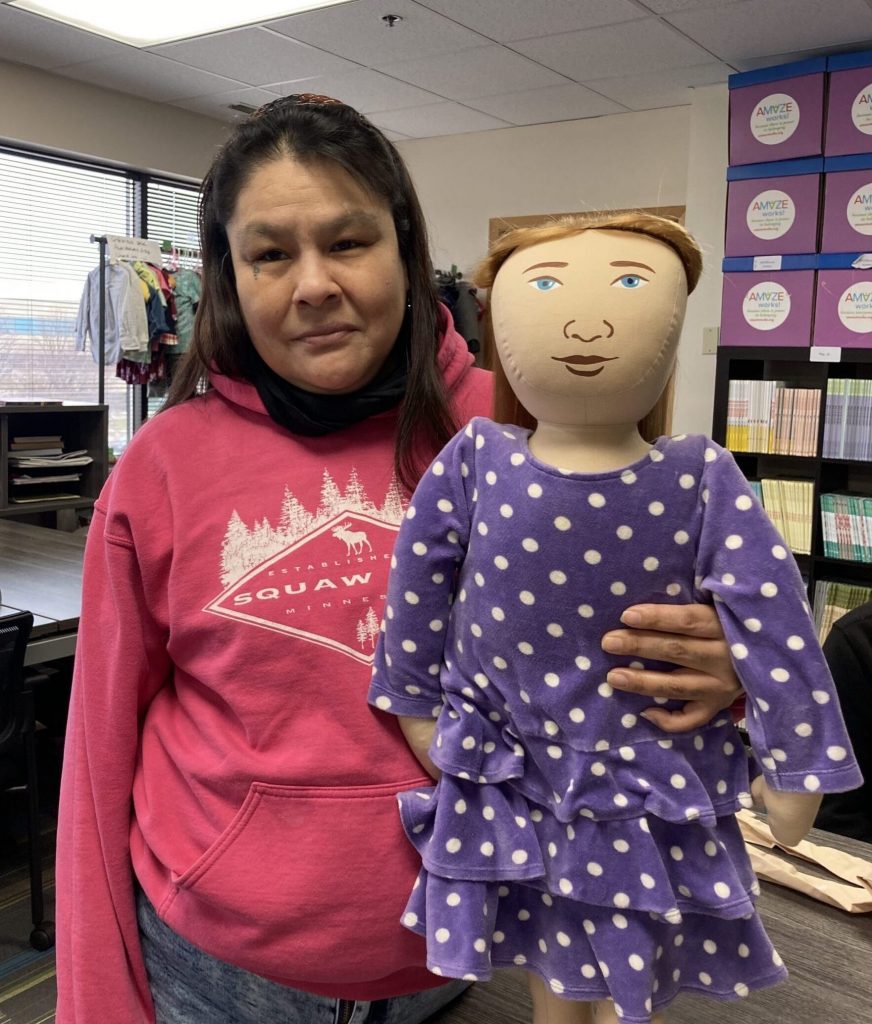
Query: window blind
(48, 211)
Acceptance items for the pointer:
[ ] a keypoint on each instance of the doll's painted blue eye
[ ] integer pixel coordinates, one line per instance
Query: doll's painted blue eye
(545, 284)
(629, 281)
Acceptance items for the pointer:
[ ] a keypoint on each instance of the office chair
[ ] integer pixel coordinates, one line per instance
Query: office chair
(17, 748)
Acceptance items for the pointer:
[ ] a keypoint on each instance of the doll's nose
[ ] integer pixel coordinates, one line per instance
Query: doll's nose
(578, 336)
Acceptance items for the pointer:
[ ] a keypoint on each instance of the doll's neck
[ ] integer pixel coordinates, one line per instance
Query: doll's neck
(588, 449)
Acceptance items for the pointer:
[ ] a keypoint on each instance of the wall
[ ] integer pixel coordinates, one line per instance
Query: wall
(670, 157)
(59, 113)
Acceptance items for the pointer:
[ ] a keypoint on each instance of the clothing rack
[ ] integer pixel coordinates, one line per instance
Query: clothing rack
(119, 247)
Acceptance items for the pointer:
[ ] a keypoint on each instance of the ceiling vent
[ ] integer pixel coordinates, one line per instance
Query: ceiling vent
(242, 108)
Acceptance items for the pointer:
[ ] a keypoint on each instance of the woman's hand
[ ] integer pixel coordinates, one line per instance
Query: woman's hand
(689, 636)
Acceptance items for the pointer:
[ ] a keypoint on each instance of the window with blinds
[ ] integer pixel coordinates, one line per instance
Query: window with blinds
(48, 212)
(49, 208)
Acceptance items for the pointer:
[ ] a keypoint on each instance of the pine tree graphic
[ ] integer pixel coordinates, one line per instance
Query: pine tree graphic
(233, 551)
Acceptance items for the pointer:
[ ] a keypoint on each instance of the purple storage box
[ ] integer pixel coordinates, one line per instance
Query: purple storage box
(768, 307)
(843, 309)
(777, 113)
(847, 219)
(849, 104)
(773, 208)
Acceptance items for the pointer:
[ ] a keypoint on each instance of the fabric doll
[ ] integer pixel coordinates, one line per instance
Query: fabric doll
(567, 834)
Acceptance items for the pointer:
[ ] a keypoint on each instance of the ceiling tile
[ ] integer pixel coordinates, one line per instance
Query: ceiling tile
(436, 119)
(663, 88)
(147, 75)
(754, 28)
(506, 20)
(616, 50)
(365, 90)
(671, 6)
(217, 105)
(44, 43)
(355, 30)
(472, 73)
(254, 56)
(541, 106)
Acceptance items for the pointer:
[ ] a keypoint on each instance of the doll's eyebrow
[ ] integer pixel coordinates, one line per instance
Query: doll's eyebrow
(537, 265)
(631, 263)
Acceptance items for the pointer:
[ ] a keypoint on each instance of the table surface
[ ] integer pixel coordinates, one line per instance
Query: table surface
(828, 953)
(41, 572)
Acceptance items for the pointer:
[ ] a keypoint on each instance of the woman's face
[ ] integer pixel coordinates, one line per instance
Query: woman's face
(319, 277)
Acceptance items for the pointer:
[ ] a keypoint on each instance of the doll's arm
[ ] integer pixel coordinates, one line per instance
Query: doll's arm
(419, 736)
(789, 815)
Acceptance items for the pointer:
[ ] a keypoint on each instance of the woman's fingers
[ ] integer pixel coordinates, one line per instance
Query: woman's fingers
(698, 620)
(680, 684)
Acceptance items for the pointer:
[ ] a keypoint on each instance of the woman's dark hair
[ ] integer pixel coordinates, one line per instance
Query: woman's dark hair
(311, 128)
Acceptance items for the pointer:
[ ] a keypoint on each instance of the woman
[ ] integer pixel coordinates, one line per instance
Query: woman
(229, 848)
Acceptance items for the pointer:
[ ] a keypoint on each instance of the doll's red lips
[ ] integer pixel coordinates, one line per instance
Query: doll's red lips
(583, 360)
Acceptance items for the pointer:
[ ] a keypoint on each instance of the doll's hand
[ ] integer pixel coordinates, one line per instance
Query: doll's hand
(689, 636)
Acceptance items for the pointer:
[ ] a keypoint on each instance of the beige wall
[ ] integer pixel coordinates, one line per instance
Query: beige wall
(59, 113)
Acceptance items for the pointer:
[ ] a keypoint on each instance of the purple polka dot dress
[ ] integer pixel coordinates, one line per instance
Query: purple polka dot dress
(567, 834)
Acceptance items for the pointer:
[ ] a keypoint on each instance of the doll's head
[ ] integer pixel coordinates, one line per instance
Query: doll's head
(586, 315)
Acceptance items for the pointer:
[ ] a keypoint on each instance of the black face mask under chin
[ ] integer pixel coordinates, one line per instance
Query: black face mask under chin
(313, 415)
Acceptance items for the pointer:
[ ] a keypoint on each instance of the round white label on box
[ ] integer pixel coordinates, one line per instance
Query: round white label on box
(861, 110)
(766, 305)
(775, 118)
(860, 210)
(855, 307)
(770, 214)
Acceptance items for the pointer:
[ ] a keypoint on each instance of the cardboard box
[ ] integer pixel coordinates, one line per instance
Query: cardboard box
(777, 113)
(768, 306)
(773, 208)
(843, 304)
(847, 216)
(849, 104)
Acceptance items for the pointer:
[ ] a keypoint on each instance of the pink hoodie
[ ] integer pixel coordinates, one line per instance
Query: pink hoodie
(234, 579)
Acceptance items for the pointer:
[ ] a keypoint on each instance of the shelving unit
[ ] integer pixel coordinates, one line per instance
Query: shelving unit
(80, 426)
(794, 366)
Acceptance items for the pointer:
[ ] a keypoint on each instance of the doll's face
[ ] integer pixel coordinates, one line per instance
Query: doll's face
(587, 326)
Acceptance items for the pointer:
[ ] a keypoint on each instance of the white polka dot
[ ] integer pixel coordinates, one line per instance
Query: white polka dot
(776, 958)
(585, 611)
(565, 886)
(557, 577)
(552, 679)
(554, 629)
(621, 845)
(624, 532)
(525, 648)
(651, 563)
(592, 557)
(722, 890)
(647, 881)
(453, 899)
(681, 537)
(596, 500)
(676, 853)
(576, 715)
(594, 869)
(673, 589)
(562, 523)
(526, 597)
(656, 508)
(733, 542)
(563, 939)
(529, 544)
(728, 579)
(705, 978)
(710, 455)
(621, 899)
(410, 919)
(410, 646)
(710, 947)
(795, 643)
(753, 625)
(803, 729)
(535, 491)
(739, 651)
(812, 783)
(656, 456)
(741, 989)
(780, 675)
(837, 753)
(769, 589)
(618, 588)
(636, 962)
(442, 935)
(677, 781)
(686, 481)
(628, 476)
(498, 614)
(744, 502)
(444, 505)
(588, 971)
(506, 511)
(605, 690)
(519, 856)
(820, 696)
(410, 512)
(383, 702)
(597, 768)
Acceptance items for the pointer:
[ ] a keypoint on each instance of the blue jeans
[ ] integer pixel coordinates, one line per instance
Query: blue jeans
(190, 987)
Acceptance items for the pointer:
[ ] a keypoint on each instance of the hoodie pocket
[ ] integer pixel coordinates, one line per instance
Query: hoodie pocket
(301, 872)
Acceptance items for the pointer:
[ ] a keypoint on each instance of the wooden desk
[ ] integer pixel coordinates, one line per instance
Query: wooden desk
(827, 952)
(41, 572)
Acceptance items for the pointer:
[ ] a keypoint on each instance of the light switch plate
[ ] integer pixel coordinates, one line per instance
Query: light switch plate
(710, 336)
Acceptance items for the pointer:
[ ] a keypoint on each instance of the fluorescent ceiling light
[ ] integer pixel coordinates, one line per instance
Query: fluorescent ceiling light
(164, 21)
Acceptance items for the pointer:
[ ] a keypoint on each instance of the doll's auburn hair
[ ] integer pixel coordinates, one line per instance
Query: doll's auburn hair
(507, 408)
